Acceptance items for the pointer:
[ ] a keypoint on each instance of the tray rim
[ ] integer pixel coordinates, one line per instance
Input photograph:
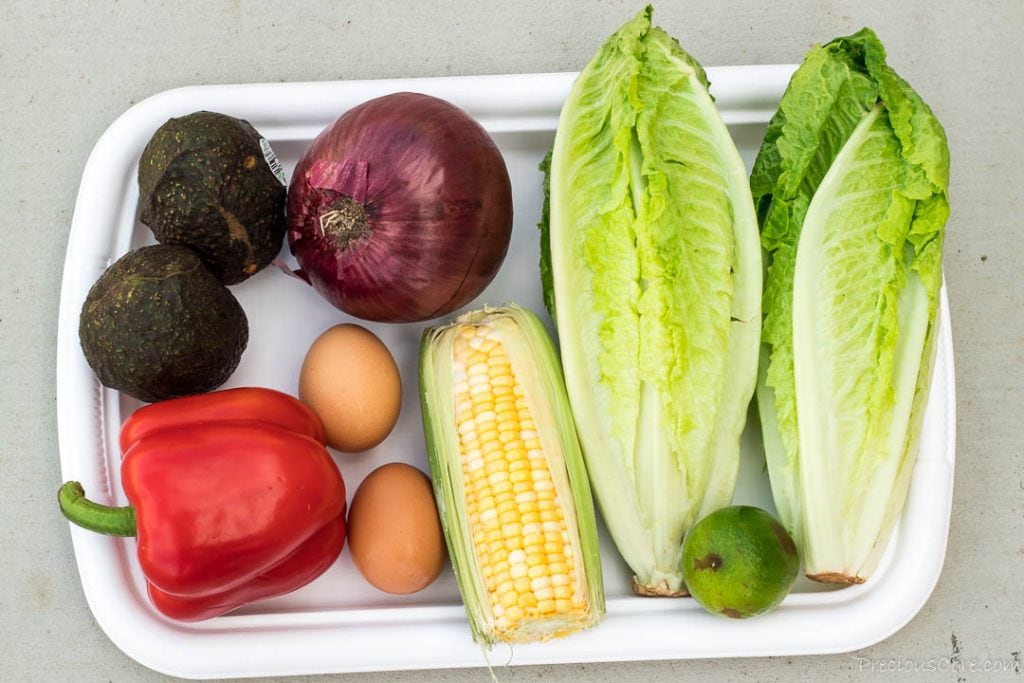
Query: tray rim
(100, 558)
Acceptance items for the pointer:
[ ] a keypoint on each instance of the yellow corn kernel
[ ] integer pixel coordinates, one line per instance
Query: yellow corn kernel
(533, 540)
(505, 411)
(518, 464)
(496, 465)
(546, 606)
(539, 571)
(515, 543)
(503, 487)
(509, 516)
(502, 391)
(513, 529)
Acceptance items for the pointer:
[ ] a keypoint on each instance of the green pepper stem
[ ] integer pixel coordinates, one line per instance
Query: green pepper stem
(80, 510)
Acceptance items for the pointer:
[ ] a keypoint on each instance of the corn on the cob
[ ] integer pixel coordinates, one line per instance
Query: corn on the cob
(509, 478)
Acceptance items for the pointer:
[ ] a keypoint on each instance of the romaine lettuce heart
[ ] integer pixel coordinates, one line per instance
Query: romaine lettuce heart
(655, 282)
(850, 186)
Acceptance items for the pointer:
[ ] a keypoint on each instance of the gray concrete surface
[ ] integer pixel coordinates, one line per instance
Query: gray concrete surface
(67, 69)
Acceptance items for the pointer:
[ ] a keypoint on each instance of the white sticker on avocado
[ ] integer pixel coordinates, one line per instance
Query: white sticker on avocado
(275, 166)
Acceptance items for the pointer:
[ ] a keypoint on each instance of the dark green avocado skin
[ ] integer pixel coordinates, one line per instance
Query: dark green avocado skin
(204, 184)
(159, 325)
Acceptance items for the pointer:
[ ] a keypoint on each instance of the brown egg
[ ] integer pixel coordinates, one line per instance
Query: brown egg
(350, 380)
(394, 533)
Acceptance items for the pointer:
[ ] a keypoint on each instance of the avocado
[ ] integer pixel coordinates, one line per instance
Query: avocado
(206, 182)
(158, 325)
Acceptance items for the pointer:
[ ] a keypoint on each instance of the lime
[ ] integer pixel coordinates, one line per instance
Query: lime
(739, 562)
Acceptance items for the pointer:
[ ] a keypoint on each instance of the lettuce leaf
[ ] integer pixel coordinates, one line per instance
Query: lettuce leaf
(656, 274)
(851, 190)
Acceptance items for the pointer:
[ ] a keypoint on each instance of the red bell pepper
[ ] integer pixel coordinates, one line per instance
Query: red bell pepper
(234, 498)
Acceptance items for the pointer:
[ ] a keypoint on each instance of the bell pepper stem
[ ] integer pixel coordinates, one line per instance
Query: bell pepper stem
(113, 521)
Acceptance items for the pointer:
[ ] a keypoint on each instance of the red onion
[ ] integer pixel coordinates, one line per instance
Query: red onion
(401, 210)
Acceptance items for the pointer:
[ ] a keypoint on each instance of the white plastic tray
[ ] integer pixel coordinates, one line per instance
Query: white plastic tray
(340, 623)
